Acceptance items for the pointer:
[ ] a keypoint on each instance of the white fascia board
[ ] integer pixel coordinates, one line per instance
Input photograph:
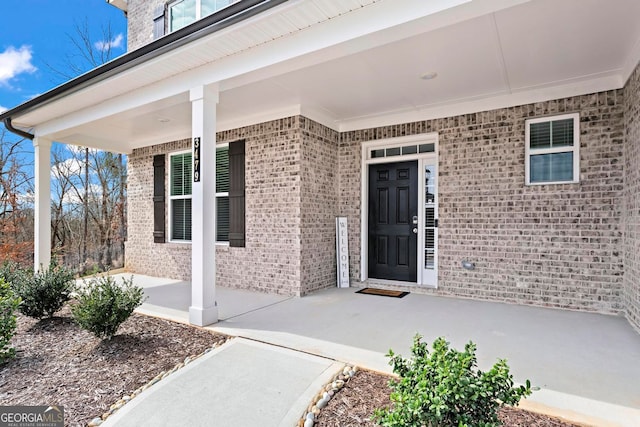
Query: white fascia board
(486, 103)
(138, 98)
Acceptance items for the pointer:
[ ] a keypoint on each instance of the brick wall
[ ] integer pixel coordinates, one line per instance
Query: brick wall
(319, 205)
(140, 22)
(632, 200)
(550, 245)
(270, 261)
(143, 256)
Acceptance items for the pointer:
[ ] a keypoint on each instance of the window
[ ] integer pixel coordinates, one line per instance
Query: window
(180, 195)
(184, 12)
(552, 149)
(402, 150)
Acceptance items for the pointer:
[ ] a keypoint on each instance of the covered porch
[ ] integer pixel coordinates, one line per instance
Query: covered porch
(584, 364)
(349, 70)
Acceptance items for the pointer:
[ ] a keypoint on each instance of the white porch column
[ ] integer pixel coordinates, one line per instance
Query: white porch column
(42, 208)
(203, 310)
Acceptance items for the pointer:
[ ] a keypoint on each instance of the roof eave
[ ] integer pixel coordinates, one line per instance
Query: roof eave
(228, 16)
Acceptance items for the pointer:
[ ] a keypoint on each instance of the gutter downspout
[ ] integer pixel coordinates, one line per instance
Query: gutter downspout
(10, 128)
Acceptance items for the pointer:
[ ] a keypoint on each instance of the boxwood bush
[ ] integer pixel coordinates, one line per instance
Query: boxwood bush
(102, 305)
(13, 273)
(9, 302)
(445, 388)
(45, 292)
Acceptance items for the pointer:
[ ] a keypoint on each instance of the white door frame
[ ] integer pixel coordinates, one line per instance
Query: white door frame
(422, 159)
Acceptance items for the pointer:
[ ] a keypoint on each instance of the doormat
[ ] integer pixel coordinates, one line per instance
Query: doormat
(382, 292)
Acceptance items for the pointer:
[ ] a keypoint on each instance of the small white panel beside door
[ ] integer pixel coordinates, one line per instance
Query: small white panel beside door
(428, 256)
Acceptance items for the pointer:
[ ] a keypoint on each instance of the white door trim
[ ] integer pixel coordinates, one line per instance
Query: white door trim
(366, 160)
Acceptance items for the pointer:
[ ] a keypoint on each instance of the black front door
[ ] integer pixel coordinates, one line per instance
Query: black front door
(393, 210)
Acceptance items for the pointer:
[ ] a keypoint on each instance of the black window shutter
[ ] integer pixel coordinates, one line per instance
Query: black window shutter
(158, 22)
(236, 194)
(158, 198)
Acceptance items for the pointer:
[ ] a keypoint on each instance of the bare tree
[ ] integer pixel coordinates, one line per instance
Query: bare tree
(16, 230)
(98, 181)
(91, 182)
(64, 205)
(86, 53)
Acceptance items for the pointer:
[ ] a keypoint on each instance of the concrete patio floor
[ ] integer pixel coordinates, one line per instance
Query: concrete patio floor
(584, 363)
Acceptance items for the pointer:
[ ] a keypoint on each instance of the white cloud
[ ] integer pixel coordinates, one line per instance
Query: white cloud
(73, 198)
(3, 109)
(67, 168)
(15, 61)
(27, 198)
(109, 44)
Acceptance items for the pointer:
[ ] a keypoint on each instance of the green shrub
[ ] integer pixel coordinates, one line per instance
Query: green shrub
(13, 274)
(445, 388)
(44, 292)
(103, 305)
(9, 302)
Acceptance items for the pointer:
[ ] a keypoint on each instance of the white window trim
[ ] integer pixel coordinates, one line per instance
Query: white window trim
(575, 149)
(198, 12)
(171, 198)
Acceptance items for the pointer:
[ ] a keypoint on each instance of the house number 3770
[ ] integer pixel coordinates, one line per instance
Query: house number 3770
(196, 159)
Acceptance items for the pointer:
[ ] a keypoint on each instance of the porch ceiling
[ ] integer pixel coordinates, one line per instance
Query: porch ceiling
(486, 53)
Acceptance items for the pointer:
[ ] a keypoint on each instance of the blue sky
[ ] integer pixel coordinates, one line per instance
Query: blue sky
(33, 33)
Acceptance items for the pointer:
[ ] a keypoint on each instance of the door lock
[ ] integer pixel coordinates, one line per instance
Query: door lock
(415, 230)
(415, 219)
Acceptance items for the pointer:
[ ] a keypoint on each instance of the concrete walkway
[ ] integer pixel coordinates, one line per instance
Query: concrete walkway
(586, 365)
(241, 383)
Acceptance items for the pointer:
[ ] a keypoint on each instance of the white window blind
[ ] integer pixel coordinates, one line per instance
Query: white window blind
(552, 149)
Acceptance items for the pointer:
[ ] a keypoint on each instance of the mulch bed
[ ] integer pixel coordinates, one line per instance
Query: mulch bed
(58, 363)
(354, 404)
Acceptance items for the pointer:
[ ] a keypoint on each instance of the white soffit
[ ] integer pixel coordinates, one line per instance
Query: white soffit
(548, 42)
(281, 21)
(528, 53)
(487, 53)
